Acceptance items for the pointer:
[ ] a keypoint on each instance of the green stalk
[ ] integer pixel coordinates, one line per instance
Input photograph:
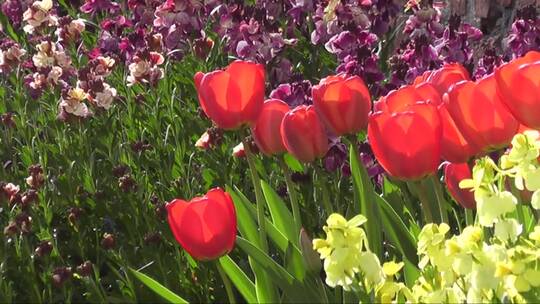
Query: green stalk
(265, 290)
(441, 202)
(323, 185)
(258, 195)
(469, 219)
(293, 196)
(424, 200)
(226, 283)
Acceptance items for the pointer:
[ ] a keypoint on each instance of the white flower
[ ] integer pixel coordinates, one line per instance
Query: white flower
(45, 55)
(105, 98)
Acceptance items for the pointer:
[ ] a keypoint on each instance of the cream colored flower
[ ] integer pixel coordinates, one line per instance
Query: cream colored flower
(74, 104)
(105, 98)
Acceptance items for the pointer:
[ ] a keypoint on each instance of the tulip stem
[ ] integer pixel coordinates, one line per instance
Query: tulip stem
(469, 219)
(226, 283)
(323, 183)
(424, 200)
(258, 195)
(292, 194)
(441, 202)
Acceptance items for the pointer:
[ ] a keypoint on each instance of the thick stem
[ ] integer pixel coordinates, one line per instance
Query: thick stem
(424, 200)
(226, 283)
(258, 195)
(441, 202)
(293, 195)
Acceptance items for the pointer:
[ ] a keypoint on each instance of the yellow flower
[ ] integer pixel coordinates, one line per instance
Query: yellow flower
(508, 230)
(491, 207)
(342, 250)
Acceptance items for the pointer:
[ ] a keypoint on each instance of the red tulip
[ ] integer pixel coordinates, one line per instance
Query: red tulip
(234, 96)
(519, 86)
(343, 103)
(408, 143)
(453, 174)
(454, 147)
(400, 99)
(303, 134)
(480, 115)
(444, 77)
(205, 226)
(266, 129)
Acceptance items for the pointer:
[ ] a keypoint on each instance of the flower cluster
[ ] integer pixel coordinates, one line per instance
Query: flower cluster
(346, 253)
(429, 45)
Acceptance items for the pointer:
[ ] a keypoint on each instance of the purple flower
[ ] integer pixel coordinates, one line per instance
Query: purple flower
(525, 33)
(95, 6)
(294, 94)
(13, 10)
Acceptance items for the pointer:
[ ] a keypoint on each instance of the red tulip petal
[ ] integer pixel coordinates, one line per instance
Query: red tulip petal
(454, 173)
(526, 79)
(250, 78)
(407, 144)
(266, 130)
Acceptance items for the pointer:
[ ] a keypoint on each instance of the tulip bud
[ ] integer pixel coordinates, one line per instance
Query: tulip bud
(453, 174)
(205, 226)
(343, 103)
(311, 257)
(266, 130)
(303, 134)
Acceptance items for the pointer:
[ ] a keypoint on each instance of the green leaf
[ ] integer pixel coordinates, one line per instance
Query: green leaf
(161, 290)
(293, 255)
(244, 285)
(281, 216)
(263, 284)
(246, 223)
(276, 272)
(396, 230)
(364, 190)
(293, 163)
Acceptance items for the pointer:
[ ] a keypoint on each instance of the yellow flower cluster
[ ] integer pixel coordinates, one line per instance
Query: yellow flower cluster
(491, 261)
(463, 268)
(346, 253)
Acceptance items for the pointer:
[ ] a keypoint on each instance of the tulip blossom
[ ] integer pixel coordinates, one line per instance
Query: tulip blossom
(444, 77)
(343, 103)
(454, 147)
(266, 129)
(480, 114)
(407, 144)
(519, 86)
(303, 134)
(205, 226)
(453, 174)
(234, 96)
(398, 100)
